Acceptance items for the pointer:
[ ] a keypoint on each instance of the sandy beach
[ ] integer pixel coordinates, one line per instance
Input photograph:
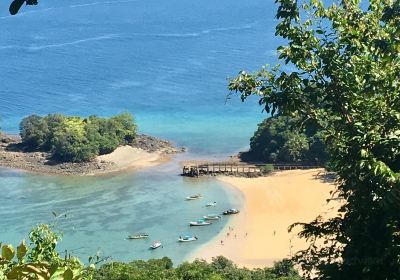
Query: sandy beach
(128, 157)
(258, 236)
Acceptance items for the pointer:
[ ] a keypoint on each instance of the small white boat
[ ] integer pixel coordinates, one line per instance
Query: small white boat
(155, 245)
(138, 236)
(211, 204)
(212, 217)
(194, 197)
(187, 238)
(231, 211)
(200, 223)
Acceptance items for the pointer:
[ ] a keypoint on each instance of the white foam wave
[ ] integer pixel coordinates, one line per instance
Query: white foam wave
(7, 47)
(204, 32)
(196, 34)
(59, 45)
(112, 36)
(104, 37)
(101, 3)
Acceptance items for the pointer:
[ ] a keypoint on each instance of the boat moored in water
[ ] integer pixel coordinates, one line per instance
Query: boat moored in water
(211, 204)
(212, 217)
(156, 245)
(231, 211)
(187, 238)
(200, 223)
(138, 236)
(194, 197)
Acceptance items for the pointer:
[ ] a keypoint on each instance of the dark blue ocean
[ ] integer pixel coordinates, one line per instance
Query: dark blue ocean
(168, 63)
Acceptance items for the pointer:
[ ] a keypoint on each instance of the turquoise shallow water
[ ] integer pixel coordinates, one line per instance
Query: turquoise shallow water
(103, 211)
(167, 62)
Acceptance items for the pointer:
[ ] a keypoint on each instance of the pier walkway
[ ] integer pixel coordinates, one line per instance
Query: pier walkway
(229, 168)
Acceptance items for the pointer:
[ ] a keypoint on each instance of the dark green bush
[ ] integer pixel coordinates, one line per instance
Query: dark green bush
(280, 140)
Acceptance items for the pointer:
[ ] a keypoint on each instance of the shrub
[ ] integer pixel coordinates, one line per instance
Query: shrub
(268, 168)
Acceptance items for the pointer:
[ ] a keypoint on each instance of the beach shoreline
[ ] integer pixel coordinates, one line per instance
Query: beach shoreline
(258, 237)
(144, 152)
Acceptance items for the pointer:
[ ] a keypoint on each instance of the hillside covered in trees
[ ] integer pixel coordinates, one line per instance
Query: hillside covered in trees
(76, 139)
(279, 139)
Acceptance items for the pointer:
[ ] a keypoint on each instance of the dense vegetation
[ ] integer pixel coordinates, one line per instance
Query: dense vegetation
(219, 269)
(76, 139)
(346, 81)
(40, 260)
(280, 139)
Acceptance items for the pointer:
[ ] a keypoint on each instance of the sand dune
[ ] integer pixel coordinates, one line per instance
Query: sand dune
(271, 204)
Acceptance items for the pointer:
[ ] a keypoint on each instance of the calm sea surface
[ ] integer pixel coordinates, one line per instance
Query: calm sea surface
(165, 61)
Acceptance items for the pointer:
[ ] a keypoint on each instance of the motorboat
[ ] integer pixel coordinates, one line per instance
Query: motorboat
(187, 238)
(138, 236)
(212, 217)
(200, 223)
(194, 197)
(156, 245)
(211, 204)
(231, 211)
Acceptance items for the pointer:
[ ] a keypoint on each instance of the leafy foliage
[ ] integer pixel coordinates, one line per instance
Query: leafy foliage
(267, 168)
(347, 83)
(219, 269)
(281, 139)
(41, 261)
(76, 139)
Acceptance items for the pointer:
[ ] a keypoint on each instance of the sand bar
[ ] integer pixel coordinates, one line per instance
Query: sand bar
(270, 204)
(128, 157)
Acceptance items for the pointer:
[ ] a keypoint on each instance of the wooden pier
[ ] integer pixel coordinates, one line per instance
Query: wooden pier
(229, 168)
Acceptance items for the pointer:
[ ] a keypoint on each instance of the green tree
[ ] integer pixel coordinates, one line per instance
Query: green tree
(70, 145)
(124, 127)
(347, 83)
(280, 139)
(34, 132)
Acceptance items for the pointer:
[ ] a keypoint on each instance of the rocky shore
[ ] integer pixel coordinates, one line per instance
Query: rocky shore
(13, 156)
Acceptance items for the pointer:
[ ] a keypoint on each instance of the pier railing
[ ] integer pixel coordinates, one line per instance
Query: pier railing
(228, 168)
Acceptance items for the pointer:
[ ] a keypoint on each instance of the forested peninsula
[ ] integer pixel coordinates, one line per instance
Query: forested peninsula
(283, 139)
(59, 144)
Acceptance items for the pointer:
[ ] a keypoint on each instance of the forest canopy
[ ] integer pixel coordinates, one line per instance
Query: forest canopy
(76, 139)
(279, 139)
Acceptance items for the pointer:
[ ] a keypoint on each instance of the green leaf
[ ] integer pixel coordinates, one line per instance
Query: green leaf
(22, 249)
(8, 252)
(68, 274)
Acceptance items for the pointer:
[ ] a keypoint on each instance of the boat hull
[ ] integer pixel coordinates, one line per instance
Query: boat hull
(155, 246)
(212, 218)
(187, 240)
(199, 225)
